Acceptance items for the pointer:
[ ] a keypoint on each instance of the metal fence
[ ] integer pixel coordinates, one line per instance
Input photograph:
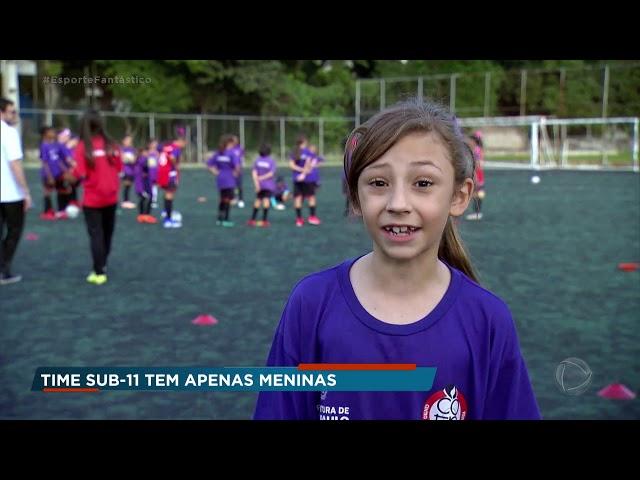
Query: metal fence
(562, 92)
(202, 131)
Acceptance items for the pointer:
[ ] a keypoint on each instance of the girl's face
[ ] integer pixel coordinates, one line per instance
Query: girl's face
(50, 136)
(126, 141)
(407, 195)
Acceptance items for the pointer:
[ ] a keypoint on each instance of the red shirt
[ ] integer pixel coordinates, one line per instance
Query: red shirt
(479, 154)
(102, 182)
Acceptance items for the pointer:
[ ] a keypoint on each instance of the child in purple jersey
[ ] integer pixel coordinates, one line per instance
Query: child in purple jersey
(264, 169)
(300, 162)
(225, 165)
(281, 194)
(239, 152)
(142, 182)
(415, 298)
(48, 180)
(65, 145)
(152, 161)
(313, 182)
(52, 173)
(129, 155)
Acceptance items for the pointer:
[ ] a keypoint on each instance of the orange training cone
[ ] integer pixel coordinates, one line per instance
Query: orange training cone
(616, 391)
(629, 267)
(204, 320)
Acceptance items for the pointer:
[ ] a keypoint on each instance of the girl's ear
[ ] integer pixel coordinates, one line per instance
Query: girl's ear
(461, 198)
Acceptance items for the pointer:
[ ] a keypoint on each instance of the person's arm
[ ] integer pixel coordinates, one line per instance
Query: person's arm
(509, 392)
(295, 167)
(18, 174)
(256, 179)
(80, 170)
(266, 176)
(14, 154)
(211, 166)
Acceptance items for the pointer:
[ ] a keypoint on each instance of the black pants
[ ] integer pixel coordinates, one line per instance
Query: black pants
(12, 215)
(100, 225)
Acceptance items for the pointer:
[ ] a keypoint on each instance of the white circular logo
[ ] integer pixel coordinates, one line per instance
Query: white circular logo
(573, 376)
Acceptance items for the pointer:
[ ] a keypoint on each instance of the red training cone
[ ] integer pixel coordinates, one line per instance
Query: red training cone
(31, 236)
(616, 391)
(204, 320)
(629, 267)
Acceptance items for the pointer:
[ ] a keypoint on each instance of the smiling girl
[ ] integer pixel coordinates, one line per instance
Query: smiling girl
(415, 297)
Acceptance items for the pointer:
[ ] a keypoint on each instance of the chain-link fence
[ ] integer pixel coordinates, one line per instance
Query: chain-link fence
(602, 91)
(203, 132)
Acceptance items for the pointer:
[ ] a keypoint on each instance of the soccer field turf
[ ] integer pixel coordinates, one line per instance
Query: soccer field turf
(549, 250)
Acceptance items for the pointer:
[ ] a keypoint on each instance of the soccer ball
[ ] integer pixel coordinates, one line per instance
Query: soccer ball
(535, 179)
(573, 376)
(72, 211)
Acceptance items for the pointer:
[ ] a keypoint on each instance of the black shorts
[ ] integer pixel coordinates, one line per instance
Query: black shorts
(227, 194)
(128, 178)
(60, 185)
(264, 194)
(303, 189)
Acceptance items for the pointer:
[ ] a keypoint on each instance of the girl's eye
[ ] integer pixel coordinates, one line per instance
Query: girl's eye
(376, 182)
(424, 183)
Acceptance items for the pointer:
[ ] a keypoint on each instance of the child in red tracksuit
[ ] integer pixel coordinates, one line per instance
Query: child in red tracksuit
(98, 165)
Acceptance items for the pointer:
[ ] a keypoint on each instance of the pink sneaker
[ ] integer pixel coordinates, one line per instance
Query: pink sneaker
(48, 215)
(299, 222)
(62, 215)
(313, 220)
(251, 223)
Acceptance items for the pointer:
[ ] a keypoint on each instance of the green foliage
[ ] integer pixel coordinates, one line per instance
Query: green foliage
(312, 88)
(162, 90)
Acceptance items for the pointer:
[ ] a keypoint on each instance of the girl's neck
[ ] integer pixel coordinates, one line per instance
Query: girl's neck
(405, 277)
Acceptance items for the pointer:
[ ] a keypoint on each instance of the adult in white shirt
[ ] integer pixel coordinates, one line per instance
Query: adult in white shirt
(15, 198)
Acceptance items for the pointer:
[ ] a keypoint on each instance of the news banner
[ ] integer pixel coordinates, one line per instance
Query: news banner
(304, 377)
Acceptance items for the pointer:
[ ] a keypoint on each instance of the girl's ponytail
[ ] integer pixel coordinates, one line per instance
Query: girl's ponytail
(452, 251)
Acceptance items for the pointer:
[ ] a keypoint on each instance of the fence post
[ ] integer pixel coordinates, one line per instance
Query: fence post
(420, 88)
(152, 126)
(487, 93)
(534, 145)
(382, 94)
(321, 136)
(357, 103)
(605, 91)
(635, 144)
(282, 139)
(199, 146)
(523, 92)
(452, 93)
(242, 132)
